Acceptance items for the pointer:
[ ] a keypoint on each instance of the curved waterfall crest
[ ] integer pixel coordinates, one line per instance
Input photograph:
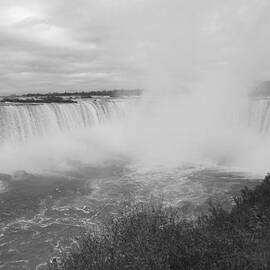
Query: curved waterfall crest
(21, 122)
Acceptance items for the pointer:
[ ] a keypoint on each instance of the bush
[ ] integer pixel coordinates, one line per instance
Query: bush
(151, 236)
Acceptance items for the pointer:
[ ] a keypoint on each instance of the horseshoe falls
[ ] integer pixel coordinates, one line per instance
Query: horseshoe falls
(33, 135)
(21, 123)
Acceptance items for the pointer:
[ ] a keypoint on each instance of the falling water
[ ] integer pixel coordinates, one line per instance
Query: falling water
(35, 137)
(20, 123)
(259, 115)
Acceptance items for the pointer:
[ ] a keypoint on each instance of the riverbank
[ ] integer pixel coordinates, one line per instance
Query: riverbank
(151, 236)
(70, 97)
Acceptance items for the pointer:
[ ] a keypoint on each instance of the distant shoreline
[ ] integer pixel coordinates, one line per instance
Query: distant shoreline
(68, 97)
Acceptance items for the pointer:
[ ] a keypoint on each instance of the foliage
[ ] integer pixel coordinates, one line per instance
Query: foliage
(88, 94)
(154, 237)
(42, 99)
(69, 97)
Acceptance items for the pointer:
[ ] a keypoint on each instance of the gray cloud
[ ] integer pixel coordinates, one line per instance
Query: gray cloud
(84, 44)
(59, 45)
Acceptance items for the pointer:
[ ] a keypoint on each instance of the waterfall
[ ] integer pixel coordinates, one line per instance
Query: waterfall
(21, 122)
(259, 115)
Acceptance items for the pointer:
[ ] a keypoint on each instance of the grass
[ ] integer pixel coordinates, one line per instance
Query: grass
(151, 236)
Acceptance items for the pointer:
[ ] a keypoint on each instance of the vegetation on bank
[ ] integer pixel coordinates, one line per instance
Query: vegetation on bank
(69, 97)
(43, 99)
(154, 237)
(89, 94)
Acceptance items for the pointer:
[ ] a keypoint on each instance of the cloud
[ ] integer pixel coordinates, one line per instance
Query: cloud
(54, 45)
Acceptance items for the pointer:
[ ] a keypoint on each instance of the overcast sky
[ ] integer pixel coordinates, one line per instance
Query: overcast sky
(55, 45)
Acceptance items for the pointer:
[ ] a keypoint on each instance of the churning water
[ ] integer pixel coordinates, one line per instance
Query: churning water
(70, 166)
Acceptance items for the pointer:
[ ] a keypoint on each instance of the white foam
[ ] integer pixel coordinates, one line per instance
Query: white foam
(3, 186)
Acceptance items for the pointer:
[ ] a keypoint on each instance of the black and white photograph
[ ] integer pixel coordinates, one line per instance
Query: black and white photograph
(134, 135)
